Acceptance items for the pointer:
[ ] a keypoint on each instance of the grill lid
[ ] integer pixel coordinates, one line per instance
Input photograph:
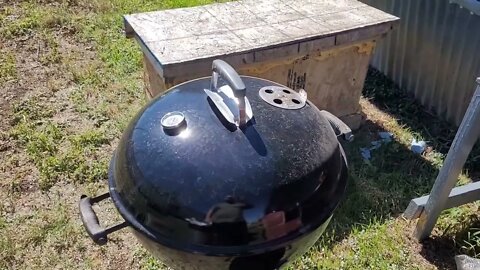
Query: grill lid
(199, 175)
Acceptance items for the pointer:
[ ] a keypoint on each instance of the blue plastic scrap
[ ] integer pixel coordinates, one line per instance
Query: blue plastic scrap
(418, 147)
(366, 152)
(386, 136)
(376, 145)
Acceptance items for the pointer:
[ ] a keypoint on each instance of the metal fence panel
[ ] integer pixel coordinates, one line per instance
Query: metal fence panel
(434, 53)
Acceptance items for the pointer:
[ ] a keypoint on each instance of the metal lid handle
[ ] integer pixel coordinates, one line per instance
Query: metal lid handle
(223, 69)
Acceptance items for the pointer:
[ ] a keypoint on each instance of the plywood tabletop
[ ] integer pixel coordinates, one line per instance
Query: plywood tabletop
(189, 34)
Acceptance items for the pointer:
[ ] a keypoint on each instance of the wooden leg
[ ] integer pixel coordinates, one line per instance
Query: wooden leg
(466, 136)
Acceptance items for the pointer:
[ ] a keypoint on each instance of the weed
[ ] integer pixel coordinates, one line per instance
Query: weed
(31, 16)
(8, 69)
(42, 146)
(148, 262)
(44, 142)
(56, 18)
(76, 164)
(90, 138)
(28, 19)
(460, 225)
(471, 244)
(54, 226)
(53, 55)
(30, 111)
(54, 85)
(91, 75)
(5, 12)
(7, 251)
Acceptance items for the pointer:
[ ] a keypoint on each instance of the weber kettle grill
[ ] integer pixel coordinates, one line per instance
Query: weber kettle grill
(226, 172)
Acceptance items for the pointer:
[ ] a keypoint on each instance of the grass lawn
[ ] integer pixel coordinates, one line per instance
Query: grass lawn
(69, 83)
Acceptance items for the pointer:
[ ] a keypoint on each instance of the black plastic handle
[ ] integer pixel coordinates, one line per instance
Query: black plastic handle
(340, 128)
(90, 219)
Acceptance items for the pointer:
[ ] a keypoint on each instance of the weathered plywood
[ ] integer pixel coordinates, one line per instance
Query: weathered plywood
(323, 46)
(154, 83)
(332, 78)
(184, 35)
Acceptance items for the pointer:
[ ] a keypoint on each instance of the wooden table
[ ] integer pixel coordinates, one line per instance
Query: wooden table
(322, 46)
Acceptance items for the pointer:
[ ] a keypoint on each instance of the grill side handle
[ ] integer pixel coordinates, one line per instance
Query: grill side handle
(90, 220)
(340, 128)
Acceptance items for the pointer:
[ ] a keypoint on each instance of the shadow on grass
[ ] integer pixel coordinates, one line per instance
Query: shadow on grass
(380, 189)
(439, 251)
(461, 236)
(388, 97)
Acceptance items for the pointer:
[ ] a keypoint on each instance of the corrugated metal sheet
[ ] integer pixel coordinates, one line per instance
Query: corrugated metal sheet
(434, 53)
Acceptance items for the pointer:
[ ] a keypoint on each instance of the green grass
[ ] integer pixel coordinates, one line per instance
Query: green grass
(74, 162)
(53, 56)
(366, 231)
(32, 16)
(95, 83)
(148, 262)
(43, 138)
(374, 246)
(99, 71)
(52, 229)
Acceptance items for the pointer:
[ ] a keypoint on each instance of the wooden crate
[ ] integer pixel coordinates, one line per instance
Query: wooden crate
(323, 47)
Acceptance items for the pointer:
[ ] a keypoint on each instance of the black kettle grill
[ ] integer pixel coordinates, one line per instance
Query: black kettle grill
(228, 172)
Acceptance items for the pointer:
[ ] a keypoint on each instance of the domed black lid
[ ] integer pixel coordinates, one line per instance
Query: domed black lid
(193, 173)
